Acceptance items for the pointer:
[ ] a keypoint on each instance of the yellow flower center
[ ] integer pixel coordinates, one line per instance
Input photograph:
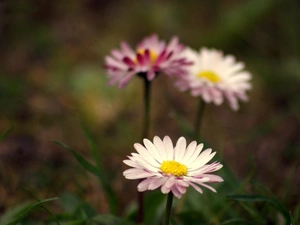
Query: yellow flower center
(209, 75)
(153, 55)
(172, 167)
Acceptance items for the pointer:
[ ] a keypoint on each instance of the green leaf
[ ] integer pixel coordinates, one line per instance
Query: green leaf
(258, 198)
(88, 166)
(26, 210)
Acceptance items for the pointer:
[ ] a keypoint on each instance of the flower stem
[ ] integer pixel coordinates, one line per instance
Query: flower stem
(147, 91)
(199, 117)
(140, 216)
(145, 133)
(168, 209)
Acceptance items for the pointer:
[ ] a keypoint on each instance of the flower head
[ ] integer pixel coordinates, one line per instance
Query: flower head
(150, 57)
(160, 164)
(215, 77)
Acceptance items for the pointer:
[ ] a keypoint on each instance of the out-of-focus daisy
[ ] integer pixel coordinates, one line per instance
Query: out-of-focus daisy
(173, 169)
(150, 57)
(215, 77)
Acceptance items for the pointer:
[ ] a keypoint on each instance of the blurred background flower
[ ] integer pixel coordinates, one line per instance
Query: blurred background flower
(215, 77)
(151, 57)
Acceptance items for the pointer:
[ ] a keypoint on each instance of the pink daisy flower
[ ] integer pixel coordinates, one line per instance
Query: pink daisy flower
(173, 169)
(215, 77)
(150, 57)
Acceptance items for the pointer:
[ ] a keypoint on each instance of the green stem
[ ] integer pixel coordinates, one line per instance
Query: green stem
(199, 117)
(147, 92)
(168, 209)
(145, 133)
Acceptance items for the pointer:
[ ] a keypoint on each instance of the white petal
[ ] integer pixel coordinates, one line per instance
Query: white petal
(169, 148)
(194, 154)
(203, 158)
(234, 68)
(240, 77)
(131, 163)
(145, 154)
(143, 163)
(136, 174)
(160, 147)
(209, 168)
(209, 187)
(180, 149)
(153, 150)
(189, 151)
(213, 178)
(196, 188)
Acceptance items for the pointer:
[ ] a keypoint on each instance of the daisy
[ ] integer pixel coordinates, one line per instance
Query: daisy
(150, 57)
(215, 77)
(173, 169)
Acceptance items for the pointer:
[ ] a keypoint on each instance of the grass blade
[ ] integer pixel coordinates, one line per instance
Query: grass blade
(110, 195)
(25, 213)
(93, 148)
(46, 209)
(258, 198)
(88, 166)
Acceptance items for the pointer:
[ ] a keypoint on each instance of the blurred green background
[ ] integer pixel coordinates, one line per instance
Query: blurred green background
(52, 83)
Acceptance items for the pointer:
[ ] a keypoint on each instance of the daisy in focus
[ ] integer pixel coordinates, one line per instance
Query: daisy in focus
(150, 57)
(160, 164)
(215, 77)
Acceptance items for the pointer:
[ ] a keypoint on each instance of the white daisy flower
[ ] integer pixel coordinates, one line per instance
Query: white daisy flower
(173, 169)
(215, 77)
